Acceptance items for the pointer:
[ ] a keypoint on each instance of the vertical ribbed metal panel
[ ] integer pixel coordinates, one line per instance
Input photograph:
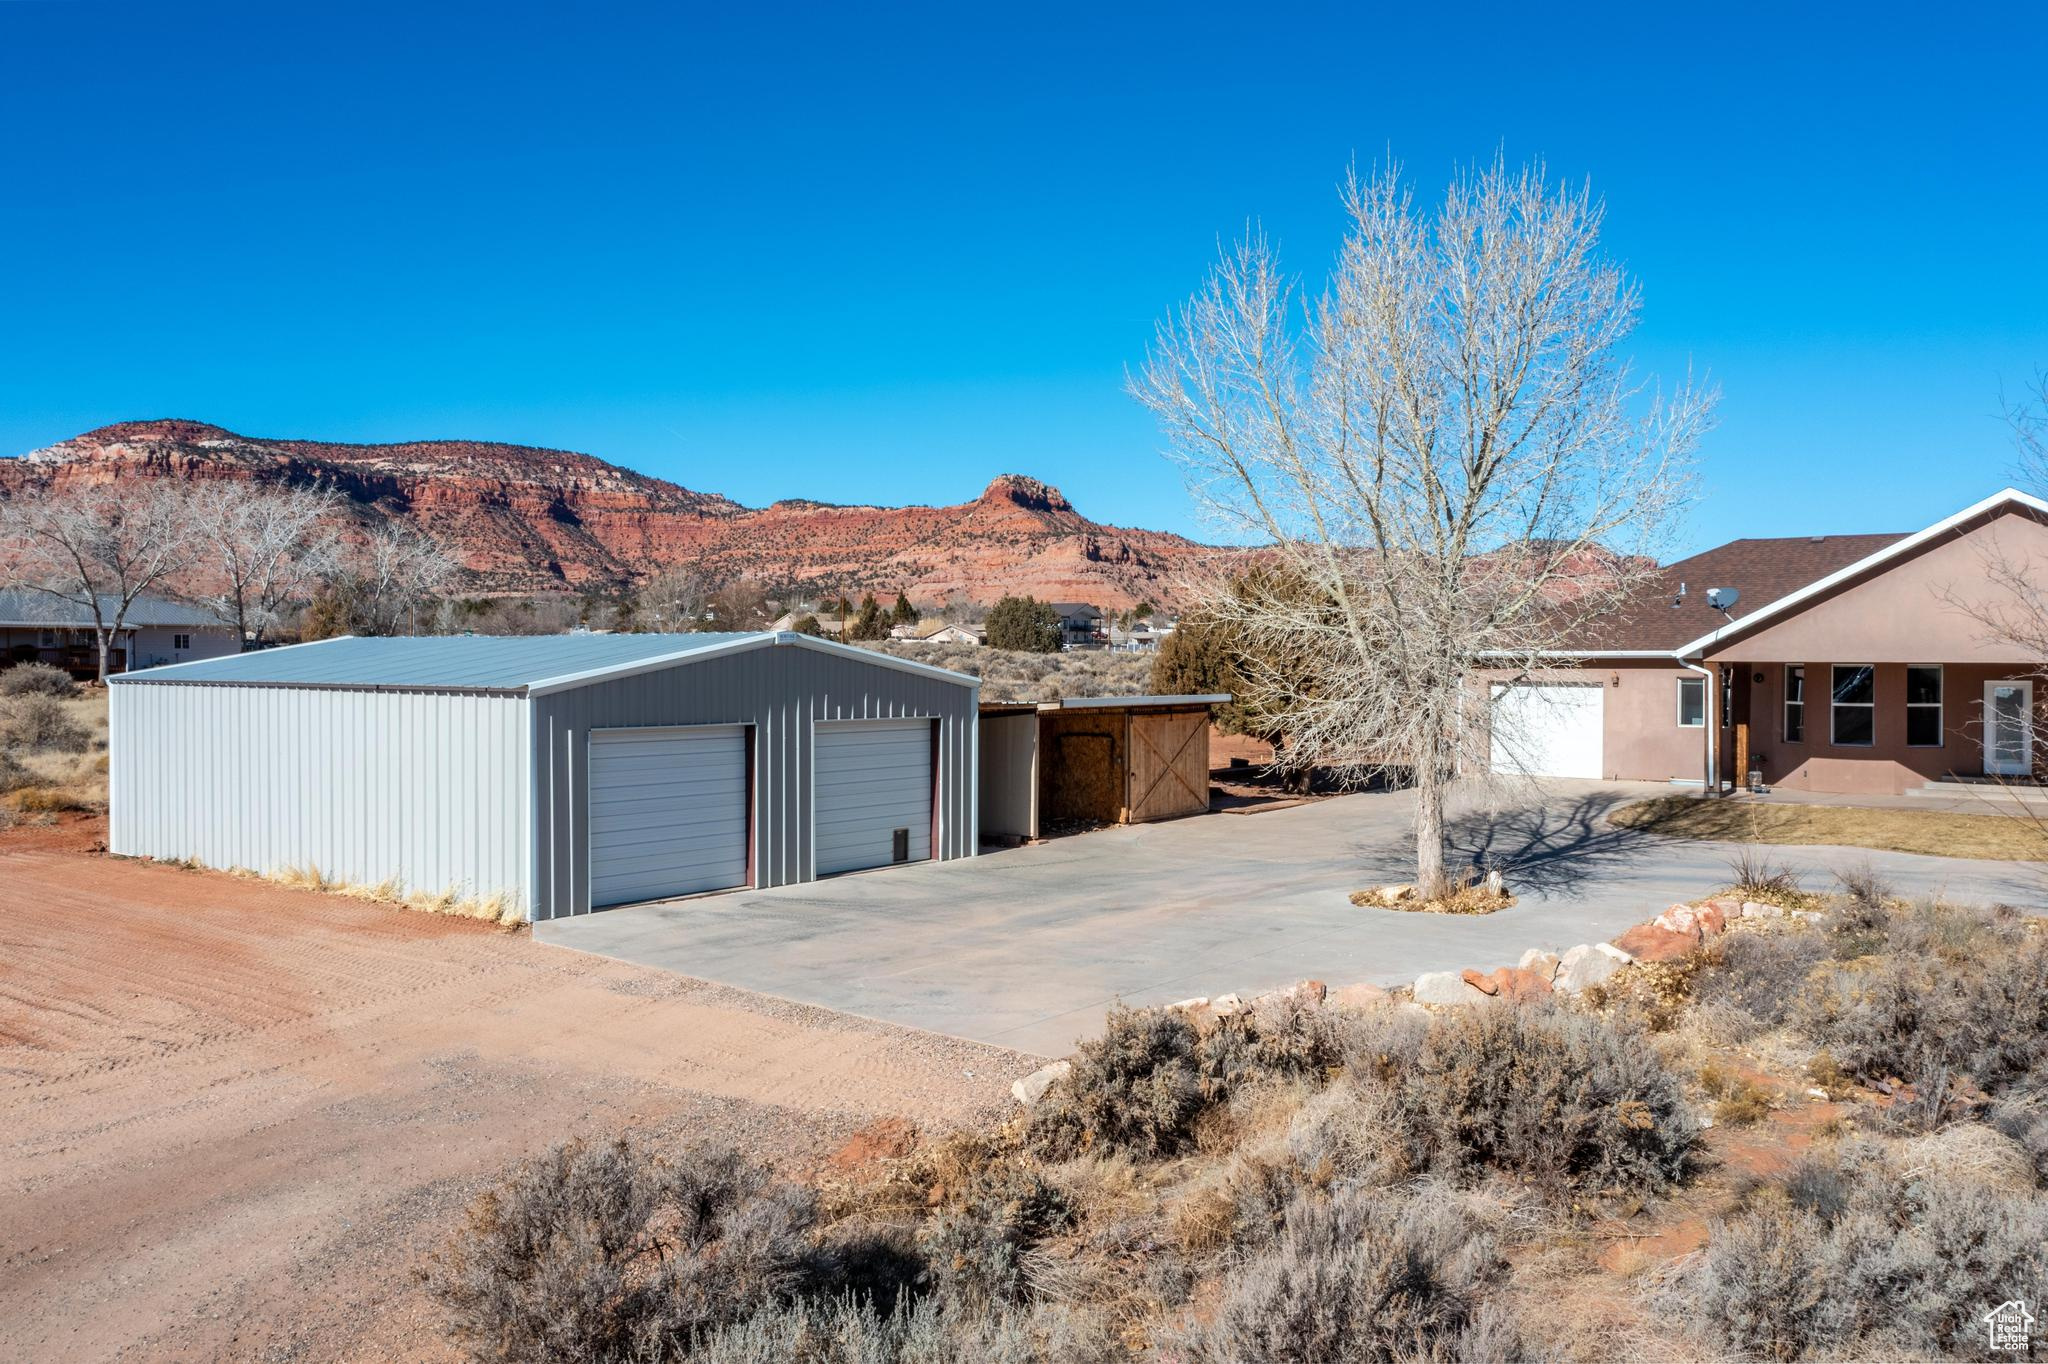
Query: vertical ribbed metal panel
(423, 788)
(781, 691)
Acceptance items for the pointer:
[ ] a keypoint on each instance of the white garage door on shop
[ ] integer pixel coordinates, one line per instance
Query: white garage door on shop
(871, 793)
(1548, 729)
(668, 812)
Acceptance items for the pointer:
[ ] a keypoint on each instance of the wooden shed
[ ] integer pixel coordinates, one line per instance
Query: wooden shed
(1093, 760)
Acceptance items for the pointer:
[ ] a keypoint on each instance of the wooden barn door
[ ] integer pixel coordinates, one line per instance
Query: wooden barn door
(1169, 764)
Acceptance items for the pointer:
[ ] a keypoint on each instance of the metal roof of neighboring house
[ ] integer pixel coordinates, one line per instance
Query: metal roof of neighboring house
(21, 606)
(1761, 571)
(1106, 703)
(518, 663)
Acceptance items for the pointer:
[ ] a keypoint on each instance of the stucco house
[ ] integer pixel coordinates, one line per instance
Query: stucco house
(38, 628)
(1846, 663)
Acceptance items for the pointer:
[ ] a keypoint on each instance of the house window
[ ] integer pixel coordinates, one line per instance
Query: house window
(1795, 705)
(1692, 702)
(49, 639)
(1852, 712)
(181, 641)
(1923, 705)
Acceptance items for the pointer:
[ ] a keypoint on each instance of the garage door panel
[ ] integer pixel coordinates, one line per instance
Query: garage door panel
(668, 813)
(1549, 729)
(870, 779)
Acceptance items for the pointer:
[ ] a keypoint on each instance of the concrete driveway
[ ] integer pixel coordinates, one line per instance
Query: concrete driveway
(1029, 947)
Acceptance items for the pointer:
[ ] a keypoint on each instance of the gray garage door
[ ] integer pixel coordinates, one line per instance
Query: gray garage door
(668, 812)
(873, 778)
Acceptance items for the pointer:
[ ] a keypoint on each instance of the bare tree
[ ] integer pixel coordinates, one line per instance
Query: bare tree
(673, 600)
(1444, 454)
(95, 549)
(401, 575)
(266, 548)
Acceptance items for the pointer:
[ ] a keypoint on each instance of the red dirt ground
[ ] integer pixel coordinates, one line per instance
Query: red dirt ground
(236, 1116)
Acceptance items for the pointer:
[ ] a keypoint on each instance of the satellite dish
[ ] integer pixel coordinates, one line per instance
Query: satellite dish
(1721, 598)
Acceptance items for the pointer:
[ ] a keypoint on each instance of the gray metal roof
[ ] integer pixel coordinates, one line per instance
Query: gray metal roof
(439, 662)
(535, 664)
(21, 606)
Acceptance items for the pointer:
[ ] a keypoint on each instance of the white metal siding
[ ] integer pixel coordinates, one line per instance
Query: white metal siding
(1544, 729)
(426, 790)
(668, 813)
(872, 778)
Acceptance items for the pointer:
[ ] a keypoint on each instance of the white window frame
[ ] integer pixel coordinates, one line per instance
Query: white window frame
(1834, 705)
(1683, 683)
(1789, 704)
(1938, 705)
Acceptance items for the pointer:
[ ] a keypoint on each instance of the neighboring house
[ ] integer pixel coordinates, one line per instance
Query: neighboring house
(38, 628)
(1144, 637)
(1081, 625)
(1845, 663)
(943, 632)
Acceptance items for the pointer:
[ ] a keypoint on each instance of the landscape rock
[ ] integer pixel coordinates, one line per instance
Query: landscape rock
(1609, 949)
(1395, 894)
(1649, 942)
(1541, 962)
(1032, 1087)
(1702, 921)
(1509, 983)
(1360, 996)
(1755, 909)
(1186, 1005)
(1304, 991)
(1442, 987)
(1493, 885)
(1226, 1005)
(1583, 966)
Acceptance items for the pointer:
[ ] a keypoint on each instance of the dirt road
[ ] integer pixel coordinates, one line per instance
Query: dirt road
(233, 1117)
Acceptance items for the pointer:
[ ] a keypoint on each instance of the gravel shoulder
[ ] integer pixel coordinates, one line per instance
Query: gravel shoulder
(236, 1116)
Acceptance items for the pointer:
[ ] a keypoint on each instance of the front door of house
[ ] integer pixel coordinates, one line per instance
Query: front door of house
(2009, 728)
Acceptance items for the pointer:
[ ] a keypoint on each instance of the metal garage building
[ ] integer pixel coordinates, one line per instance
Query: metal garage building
(563, 772)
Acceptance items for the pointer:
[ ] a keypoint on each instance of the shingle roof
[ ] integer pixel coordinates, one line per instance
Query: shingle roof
(439, 662)
(20, 606)
(1761, 571)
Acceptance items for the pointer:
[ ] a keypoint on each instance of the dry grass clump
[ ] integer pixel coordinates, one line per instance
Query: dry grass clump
(1739, 1100)
(52, 749)
(1854, 1256)
(1756, 875)
(496, 907)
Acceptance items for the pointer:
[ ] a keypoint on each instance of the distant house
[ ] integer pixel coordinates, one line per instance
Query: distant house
(1143, 637)
(38, 628)
(1081, 625)
(944, 632)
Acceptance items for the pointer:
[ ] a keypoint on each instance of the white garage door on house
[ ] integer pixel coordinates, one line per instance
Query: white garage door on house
(1548, 729)
(668, 812)
(872, 793)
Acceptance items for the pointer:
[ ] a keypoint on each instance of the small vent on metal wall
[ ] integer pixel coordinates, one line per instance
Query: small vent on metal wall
(899, 845)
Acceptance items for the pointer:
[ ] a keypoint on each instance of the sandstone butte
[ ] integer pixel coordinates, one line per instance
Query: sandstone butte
(524, 519)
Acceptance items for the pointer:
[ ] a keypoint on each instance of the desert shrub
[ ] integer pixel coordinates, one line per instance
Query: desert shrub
(1137, 1088)
(36, 679)
(2022, 1114)
(1361, 1276)
(1564, 1100)
(1763, 974)
(1739, 1100)
(13, 775)
(1283, 1038)
(38, 723)
(1851, 1257)
(598, 1251)
(976, 1252)
(1349, 1133)
(1921, 1011)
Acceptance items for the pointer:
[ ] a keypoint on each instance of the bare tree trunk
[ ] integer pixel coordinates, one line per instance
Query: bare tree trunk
(1430, 881)
(101, 636)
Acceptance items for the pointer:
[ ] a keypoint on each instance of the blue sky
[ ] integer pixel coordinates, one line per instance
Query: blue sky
(883, 255)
